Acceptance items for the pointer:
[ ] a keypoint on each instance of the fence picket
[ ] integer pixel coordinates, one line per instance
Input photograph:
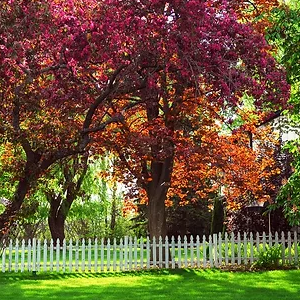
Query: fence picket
(77, 255)
(282, 247)
(226, 248)
(38, 256)
(57, 254)
(23, 256)
(257, 242)
(89, 255)
(154, 251)
(232, 243)
(245, 244)
(210, 247)
(130, 253)
(179, 251)
(167, 252)
(3, 258)
(220, 254)
(51, 255)
(185, 249)
(17, 256)
(108, 255)
(198, 250)
(70, 255)
(121, 255)
(289, 247)
(96, 255)
(192, 251)
(102, 255)
(264, 241)
(114, 254)
(160, 251)
(10, 255)
(29, 256)
(83, 255)
(270, 239)
(296, 258)
(34, 254)
(204, 250)
(251, 248)
(45, 252)
(239, 257)
(126, 253)
(135, 253)
(173, 252)
(64, 253)
(148, 252)
(276, 239)
(215, 250)
(141, 253)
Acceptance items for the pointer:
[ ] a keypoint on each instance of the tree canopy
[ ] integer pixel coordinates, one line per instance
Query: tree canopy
(158, 75)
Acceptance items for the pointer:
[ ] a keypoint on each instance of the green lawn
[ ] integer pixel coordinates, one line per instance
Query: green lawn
(160, 284)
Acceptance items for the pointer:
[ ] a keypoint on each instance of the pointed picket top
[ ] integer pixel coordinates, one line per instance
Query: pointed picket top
(70, 266)
(289, 240)
(148, 252)
(276, 238)
(167, 252)
(257, 242)
(16, 256)
(270, 239)
(296, 257)
(264, 241)
(114, 254)
(220, 248)
(226, 238)
(121, 255)
(232, 241)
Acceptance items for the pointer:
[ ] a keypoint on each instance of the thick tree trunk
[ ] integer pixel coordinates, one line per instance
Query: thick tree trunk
(217, 224)
(157, 193)
(157, 215)
(7, 218)
(56, 222)
(60, 205)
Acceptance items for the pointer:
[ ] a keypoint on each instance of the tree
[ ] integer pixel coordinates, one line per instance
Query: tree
(208, 71)
(284, 34)
(64, 193)
(100, 62)
(58, 72)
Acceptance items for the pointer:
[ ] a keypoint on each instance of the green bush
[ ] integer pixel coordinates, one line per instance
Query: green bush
(268, 258)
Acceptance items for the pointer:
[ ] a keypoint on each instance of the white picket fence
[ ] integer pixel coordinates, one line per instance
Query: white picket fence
(135, 254)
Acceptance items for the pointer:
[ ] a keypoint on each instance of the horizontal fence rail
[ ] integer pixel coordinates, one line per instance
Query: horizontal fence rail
(131, 253)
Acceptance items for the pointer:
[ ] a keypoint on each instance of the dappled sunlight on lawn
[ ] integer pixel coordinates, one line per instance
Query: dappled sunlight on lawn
(178, 284)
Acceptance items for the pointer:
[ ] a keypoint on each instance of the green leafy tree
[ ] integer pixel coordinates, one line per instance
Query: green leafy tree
(285, 36)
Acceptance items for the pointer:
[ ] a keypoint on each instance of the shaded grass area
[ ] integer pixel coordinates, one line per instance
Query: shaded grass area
(156, 284)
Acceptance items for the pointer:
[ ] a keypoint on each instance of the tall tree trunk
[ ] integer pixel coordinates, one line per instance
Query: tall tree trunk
(7, 218)
(57, 216)
(217, 223)
(157, 193)
(157, 214)
(60, 205)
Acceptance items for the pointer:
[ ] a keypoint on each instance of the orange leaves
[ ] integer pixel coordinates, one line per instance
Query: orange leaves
(256, 11)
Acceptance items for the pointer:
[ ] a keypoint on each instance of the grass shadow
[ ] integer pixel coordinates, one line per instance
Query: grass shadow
(154, 284)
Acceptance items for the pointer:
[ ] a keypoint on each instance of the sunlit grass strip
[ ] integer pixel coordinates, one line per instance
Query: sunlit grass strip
(157, 284)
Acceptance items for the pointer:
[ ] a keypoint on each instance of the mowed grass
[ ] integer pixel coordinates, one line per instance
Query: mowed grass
(157, 284)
